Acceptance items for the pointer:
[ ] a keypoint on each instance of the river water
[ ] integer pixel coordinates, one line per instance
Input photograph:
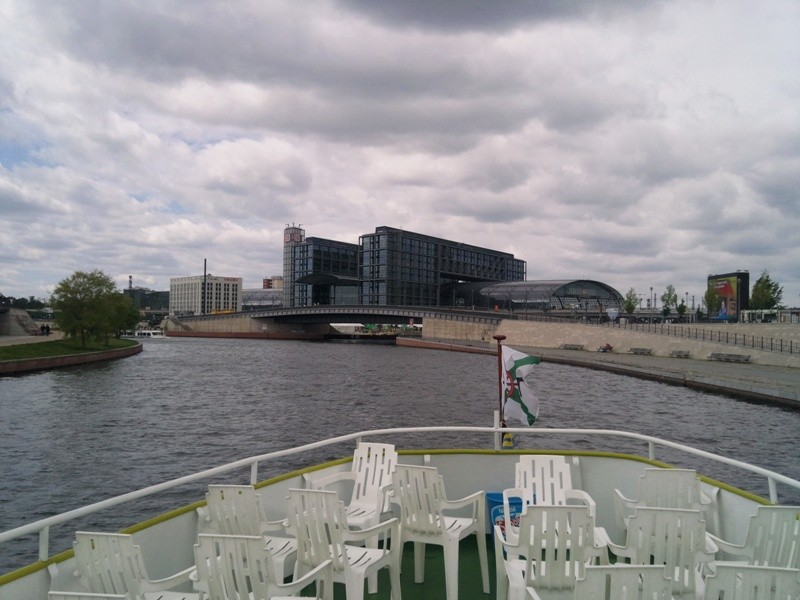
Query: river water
(76, 435)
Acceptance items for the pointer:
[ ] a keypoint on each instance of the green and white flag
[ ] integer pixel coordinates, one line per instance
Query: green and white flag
(519, 401)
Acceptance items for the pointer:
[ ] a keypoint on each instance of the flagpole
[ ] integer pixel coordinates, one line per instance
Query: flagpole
(500, 339)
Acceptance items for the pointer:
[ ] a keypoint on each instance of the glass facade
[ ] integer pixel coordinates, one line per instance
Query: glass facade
(324, 272)
(390, 267)
(405, 268)
(292, 236)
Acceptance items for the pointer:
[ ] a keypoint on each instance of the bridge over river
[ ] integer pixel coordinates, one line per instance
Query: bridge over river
(314, 321)
(774, 344)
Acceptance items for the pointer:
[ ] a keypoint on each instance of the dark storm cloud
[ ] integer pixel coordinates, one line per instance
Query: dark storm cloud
(472, 15)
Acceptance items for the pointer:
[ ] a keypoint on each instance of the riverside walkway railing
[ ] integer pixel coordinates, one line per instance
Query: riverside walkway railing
(698, 333)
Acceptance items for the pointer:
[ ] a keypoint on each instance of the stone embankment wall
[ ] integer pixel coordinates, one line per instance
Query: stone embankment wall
(591, 337)
(239, 325)
(39, 364)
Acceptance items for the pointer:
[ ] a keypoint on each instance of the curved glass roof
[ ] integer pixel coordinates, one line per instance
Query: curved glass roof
(556, 294)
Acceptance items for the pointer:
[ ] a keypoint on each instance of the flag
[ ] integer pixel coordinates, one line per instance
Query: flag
(519, 401)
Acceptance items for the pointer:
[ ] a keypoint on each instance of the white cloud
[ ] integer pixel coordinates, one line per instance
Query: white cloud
(639, 145)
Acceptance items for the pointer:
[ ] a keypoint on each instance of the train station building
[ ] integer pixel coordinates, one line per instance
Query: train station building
(390, 267)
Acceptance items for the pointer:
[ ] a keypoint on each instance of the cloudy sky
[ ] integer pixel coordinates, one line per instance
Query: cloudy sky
(637, 143)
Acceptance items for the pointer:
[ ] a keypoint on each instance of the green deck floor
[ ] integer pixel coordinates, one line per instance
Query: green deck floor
(469, 575)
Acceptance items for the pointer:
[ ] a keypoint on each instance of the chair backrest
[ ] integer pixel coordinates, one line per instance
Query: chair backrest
(675, 538)
(624, 582)
(319, 522)
(670, 488)
(420, 493)
(234, 509)
(773, 537)
(543, 478)
(557, 542)
(109, 563)
(373, 465)
(750, 582)
(228, 564)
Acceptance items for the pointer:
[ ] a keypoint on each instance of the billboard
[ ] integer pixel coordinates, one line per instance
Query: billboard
(733, 293)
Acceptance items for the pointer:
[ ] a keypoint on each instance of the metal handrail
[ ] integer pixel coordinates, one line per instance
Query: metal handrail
(42, 526)
(702, 334)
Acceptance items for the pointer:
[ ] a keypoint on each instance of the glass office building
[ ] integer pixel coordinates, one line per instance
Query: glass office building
(390, 267)
(400, 267)
(323, 272)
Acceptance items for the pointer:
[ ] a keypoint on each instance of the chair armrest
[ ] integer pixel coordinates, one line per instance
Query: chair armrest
(269, 527)
(359, 535)
(617, 550)
(584, 498)
(727, 547)
(476, 498)
(319, 483)
(623, 507)
(154, 585)
(601, 544)
(322, 571)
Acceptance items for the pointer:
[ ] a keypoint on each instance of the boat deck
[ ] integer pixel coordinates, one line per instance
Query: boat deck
(469, 575)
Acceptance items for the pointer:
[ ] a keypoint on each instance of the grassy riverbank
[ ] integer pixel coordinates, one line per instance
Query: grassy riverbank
(62, 347)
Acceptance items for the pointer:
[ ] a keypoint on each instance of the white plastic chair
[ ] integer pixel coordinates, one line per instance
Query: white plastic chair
(110, 563)
(621, 582)
(236, 510)
(233, 566)
(552, 549)
(371, 477)
(420, 493)
(773, 538)
(664, 488)
(545, 479)
(320, 524)
(750, 582)
(675, 538)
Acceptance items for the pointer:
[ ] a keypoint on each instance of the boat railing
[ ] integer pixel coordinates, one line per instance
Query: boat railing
(41, 528)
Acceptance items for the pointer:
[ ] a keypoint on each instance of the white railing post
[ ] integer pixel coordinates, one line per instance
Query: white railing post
(254, 473)
(44, 543)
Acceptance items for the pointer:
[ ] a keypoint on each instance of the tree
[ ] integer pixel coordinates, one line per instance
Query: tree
(681, 309)
(712, 300)
(84, 305)
(669, 297)
(630, 301)
(766, 293)
(122, 314)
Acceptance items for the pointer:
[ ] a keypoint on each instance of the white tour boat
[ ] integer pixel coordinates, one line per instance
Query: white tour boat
(602, 466)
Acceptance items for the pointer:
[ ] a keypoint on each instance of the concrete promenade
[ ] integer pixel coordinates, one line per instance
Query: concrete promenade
(768, 376)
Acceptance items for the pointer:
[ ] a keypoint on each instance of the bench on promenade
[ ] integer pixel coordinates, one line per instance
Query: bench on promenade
(679, 354)
(641, 350)
(739, 358)
(572, 346)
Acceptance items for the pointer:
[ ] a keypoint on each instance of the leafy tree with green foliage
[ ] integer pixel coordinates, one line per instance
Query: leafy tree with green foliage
(86, 304)
(669, 297)
(630, 301)
(681, 309)
(712, 300)
(122, 314)
(766, 293)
